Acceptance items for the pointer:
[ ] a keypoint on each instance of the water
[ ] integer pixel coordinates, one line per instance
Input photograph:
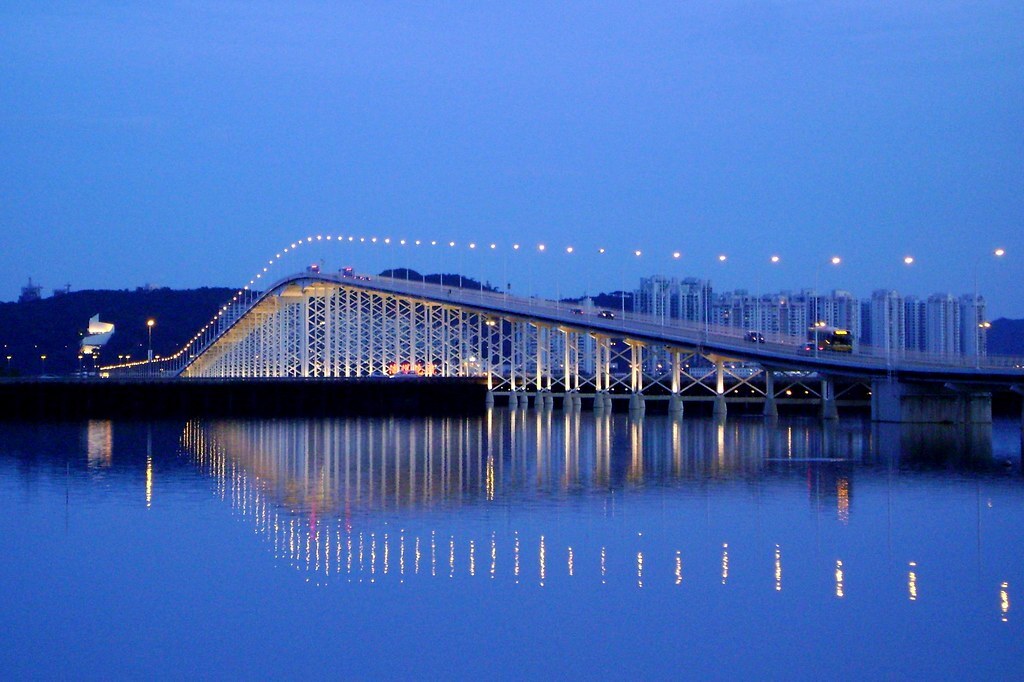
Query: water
(516, 545)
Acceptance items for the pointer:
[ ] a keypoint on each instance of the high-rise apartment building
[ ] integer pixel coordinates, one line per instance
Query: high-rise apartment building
(887, 321)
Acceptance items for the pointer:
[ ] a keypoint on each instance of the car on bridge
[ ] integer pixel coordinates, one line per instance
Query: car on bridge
(754, 337)
(606, 315)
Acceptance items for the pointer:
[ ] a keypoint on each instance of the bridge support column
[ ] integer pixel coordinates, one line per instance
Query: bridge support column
(675, 405)
(895, 401)
(636, 403)
(545, 401)
(828, 400)
(489, 399)
(598, 401)
(770, 408)
(720, 410)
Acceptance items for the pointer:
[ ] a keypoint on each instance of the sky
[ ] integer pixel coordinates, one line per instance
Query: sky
(184, 144)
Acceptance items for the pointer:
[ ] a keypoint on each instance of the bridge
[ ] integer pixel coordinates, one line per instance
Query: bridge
(528, 350)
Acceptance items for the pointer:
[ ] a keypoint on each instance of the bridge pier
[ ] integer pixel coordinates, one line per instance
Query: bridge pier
(636, 403)
(720, 410)
(675, 405)
(829, 410)
(770, 408)
(896, 401)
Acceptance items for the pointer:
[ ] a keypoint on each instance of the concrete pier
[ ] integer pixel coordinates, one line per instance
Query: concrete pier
(675, 405)
(721, 410)
(770, 408)
(829, 410)
(907, 403)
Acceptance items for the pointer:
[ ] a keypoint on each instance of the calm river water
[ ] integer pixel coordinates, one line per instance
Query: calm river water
(513, 545)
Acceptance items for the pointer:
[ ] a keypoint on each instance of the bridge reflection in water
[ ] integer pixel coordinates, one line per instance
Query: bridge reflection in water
(533, 496)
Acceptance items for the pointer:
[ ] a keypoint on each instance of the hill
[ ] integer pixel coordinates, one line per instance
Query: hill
(1006, 337)
(54, 326)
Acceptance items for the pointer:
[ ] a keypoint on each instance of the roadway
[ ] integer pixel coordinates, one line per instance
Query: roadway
(778, 352)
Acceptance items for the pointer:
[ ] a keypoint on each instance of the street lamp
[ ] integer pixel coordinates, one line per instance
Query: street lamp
(149, 326)
(835, 261)
(42, 362)
(759, 312)
(998, 252)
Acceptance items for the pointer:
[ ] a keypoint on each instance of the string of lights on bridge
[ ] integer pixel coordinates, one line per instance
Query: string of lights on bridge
(472, 246)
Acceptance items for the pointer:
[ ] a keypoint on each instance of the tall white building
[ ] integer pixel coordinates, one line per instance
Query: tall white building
(669, 297)
(839, 309)
(794, 313)
(973, 325)
(942, 325)
(887, 321)
(914, 320)
(657, 296)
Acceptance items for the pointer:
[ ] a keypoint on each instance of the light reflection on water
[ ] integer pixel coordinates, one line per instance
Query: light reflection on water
(747, 521)
(312, 488)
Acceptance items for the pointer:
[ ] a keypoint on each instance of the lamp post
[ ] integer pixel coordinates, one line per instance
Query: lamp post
(622, 298)
(834, 260)
(9, 363)
(908, 261)
(150, 323)
(977, 331)
(759, 315)
(42, 363)
(707, 300)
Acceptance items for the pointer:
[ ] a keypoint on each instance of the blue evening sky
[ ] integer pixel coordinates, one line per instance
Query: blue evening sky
(184, 143)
